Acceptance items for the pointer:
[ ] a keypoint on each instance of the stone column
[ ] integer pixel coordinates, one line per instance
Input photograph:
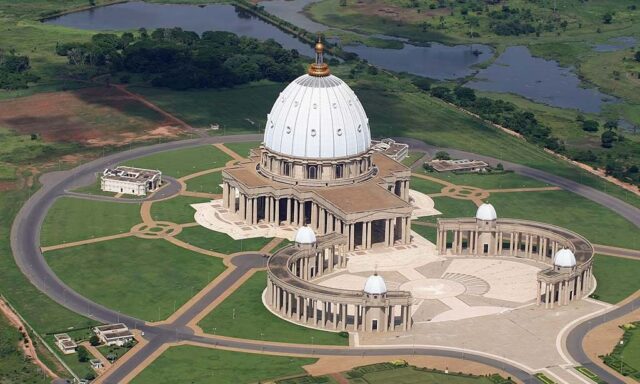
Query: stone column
(351, 237)
(369, 240)
(288, 200)
(323, 228)
(276, 218)
(314, 216)
(334, 309)
(538, 293)
(344, 308)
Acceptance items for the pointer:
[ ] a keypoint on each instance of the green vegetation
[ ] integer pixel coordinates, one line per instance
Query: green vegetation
(412, 157)
(587, 372)
(625, 357)
(176, 210)
(239, 110)
(209, 183)
(427, 232)
(220, 242)
(494, 180)
(543, 378)
(14, 71)
(183, 162)
(14, 367)
(567, 210)
(253, 321)
(425, 186)
(617, 278)
(123, 274)
(403, 374)
(114, 352)
(453, 208)
(242, 149)
(72, 219)
(199, 365)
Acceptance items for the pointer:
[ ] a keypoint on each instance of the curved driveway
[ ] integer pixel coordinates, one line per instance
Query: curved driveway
(25, 240)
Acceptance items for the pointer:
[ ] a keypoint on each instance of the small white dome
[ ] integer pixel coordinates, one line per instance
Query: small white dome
(317, 117)
(486, 212)
(305, 235)
(375, 285)
(564, 258)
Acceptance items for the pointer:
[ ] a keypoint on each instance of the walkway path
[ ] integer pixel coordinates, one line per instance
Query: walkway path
(25, 240)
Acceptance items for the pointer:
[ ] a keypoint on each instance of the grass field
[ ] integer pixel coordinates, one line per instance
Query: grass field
(242, 149)
(411, 375)
(183, 162)
(220, 242)
(632, 350)
(239, 110)
(14, 368)
(176, 210)
(254, 321)
(569, 211)
(617, 278)
(190, 364)
(206, 183)
(71, 219)
(488, 180)
(428, 233)
(142, 278)
(425, 186)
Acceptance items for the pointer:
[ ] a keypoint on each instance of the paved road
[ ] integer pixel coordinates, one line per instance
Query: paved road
(615, 251)
(25, 238)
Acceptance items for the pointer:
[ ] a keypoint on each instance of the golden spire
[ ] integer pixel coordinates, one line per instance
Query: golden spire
(319, 68)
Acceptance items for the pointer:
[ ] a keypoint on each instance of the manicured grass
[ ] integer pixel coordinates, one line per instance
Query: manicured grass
(14, 367)
(79, 368)
(142, 278)
(190, 364)
(452, 208)
(183, 162)
(425, 186)
(489, 180)
(72, 219)
(412, 157)
(617, 278)
(177, 210)
(428, 233)
(209, 183)
(95, 189)
(632, 350)
(565, 209)
(220, 242)
(242, 149)
(411, 375)
(254, 321)
(114, 350)
(233, 109)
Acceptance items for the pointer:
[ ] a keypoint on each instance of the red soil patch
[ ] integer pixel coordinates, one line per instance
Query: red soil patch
(92, 116)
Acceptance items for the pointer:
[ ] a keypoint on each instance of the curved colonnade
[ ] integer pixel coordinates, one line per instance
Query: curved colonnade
(559, 284)
(292, 295)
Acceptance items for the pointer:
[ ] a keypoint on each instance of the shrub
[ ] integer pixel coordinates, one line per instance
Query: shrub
(590, 125)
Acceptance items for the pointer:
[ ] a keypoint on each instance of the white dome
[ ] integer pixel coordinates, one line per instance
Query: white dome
(486, 212)
(375, 285)
(305, 235)
(564, 258)
(317, 117)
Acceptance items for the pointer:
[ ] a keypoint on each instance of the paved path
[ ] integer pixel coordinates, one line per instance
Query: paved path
(615, 251)
(25, 246)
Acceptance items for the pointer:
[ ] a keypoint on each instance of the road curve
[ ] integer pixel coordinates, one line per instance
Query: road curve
(25, 240)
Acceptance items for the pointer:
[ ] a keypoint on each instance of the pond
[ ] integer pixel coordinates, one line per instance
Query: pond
(616, 44)
(437, 61)
(544, 81)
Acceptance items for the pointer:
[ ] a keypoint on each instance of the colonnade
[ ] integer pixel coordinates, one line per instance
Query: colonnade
(291, 211)
(566, 289)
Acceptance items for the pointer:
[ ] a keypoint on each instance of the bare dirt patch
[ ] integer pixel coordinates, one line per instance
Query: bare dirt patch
(396, 13)
(92, 116)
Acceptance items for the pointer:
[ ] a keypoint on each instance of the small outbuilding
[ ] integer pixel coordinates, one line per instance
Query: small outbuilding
(114, 334)
(65, 343)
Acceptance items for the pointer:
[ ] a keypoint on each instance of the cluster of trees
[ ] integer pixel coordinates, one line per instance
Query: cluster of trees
(181, 59)
(511, 21)
(501, 112)
(14, 71)
(608, 137)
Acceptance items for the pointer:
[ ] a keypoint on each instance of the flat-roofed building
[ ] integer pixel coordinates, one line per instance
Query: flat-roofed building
(65, 343)
(113, 334)
(131, 181)
(461, 165)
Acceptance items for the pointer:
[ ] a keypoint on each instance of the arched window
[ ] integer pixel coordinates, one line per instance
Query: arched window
(312, 172)
(339, 171)
(287, 169)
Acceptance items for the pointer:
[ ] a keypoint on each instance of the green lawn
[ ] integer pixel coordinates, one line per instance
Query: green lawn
(183, 162)
(198, 365)
(452, 208)
(428, 233)
(489, 180)
(565, 209)
(209, 183)
(254, 321)
(114, 350)
(71, 219)
(411, 375)
(617, 278)
(412, 157)
(425, 186)
(142, 278)
(631, 354)
(242, 149)
(238, 110)
(14, 368)
(177, 209)
(220, 242)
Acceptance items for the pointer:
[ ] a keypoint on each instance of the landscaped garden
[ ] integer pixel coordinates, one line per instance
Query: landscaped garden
(617, 278)
(243, 315)
(403, 374)
(625, 357)
(191, 364)
(220, 242)
(209, 183)
(143, 278)
(183, 162)
(176, 210)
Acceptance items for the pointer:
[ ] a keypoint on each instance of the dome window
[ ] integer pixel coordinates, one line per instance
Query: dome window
(315, 106)
(313, 133)
(295, 103)
(339, 131)
(335, 105)
(350, 102)
(288, 129)
(359, 127)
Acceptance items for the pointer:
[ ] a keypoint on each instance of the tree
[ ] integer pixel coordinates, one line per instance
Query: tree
(465, 95)
(637, 56)
(610, 125)
(94, 340)
(442, 155)
(83, 354)
(607, 18)
(607, 138)
(590, 125)
(500, 167)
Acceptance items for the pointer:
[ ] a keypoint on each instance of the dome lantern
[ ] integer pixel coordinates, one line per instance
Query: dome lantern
(564, 258)
(305, 236)
(319, 68)
(375, 285)
(486, 212)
